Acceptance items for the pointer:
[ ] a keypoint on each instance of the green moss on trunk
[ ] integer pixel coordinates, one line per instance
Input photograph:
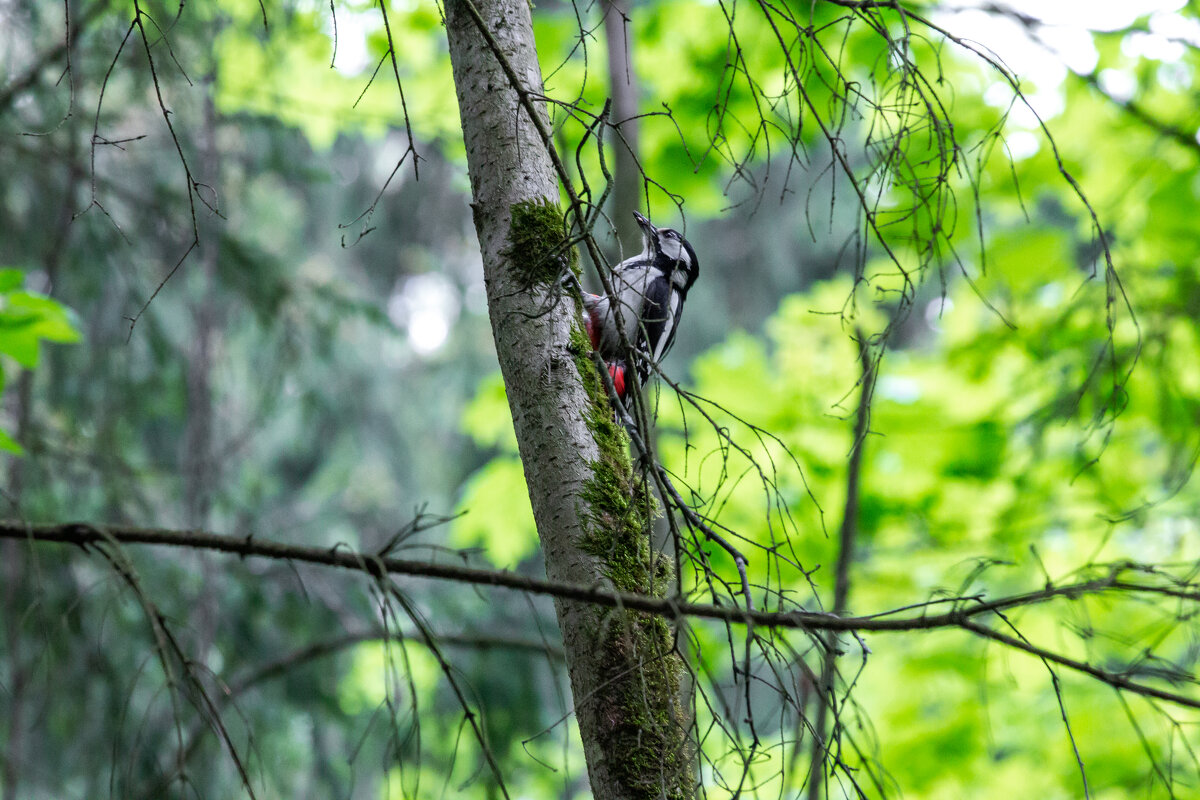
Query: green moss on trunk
(538, 246)
(643, 729)
(643, 723)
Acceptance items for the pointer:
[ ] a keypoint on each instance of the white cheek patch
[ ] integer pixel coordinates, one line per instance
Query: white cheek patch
(673, 249)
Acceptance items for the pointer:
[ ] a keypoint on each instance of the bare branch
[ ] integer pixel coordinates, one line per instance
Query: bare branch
(963, 616)
(826, 701)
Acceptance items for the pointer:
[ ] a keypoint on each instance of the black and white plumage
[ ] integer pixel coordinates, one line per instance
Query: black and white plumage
(650, 290)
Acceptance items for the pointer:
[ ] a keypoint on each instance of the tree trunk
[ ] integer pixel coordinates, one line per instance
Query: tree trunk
(16, 599)
(592, 515)
(198, 459)
(627, 174)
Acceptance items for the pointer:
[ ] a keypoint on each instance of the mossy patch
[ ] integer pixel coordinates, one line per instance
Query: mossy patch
(641, 713)
(644, 726)
(538, 247)
(618, 506)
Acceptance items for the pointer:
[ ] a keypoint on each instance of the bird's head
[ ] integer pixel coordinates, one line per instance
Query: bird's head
(672, 252)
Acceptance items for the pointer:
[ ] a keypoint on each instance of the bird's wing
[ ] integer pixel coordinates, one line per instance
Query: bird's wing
(660, 316)
(630, 286)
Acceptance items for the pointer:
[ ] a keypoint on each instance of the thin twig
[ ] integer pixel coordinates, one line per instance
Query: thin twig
(845, 554)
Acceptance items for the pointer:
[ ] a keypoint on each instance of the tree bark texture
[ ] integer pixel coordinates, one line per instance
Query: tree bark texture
(623, 88)
(590, 513)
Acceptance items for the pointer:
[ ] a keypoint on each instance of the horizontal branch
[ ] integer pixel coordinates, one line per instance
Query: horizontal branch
(1113, 679)
(85, 534)
(962, 615)
(88, 534)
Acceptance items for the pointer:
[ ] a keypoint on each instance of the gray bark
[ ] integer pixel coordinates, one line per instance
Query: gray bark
(627, 176)
(608, 652)
(197, 459)
(199, 466)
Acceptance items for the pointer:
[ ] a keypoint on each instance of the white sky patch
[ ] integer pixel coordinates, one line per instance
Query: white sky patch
(1068, 43)
(352, 57)
(1118, 84)
(1098, 15)
(937, 308)
(1176, 27)
(427, 306)
(1051, 295)
(1022, 144)
(899, 389)
(1153, 46)
(1006, 41)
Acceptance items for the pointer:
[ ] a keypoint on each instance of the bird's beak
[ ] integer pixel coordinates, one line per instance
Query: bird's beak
(644, 223)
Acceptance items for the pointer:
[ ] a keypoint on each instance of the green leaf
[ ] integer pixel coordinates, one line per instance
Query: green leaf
(55, 321)
(497, 494)
(11, 278)
(26, 319)
(10, 445)
(488, 419)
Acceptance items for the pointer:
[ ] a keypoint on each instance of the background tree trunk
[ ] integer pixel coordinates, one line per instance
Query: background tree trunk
(197, 461)
(591, 515)
(623, 87)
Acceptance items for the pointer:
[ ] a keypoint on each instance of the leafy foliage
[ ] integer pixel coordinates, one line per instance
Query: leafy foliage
(1028, 426)
(27, 319)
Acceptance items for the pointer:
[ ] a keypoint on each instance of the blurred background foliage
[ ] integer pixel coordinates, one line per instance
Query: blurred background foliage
(321, 370)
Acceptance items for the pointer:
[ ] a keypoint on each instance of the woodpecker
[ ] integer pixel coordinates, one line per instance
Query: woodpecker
(650, 290)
